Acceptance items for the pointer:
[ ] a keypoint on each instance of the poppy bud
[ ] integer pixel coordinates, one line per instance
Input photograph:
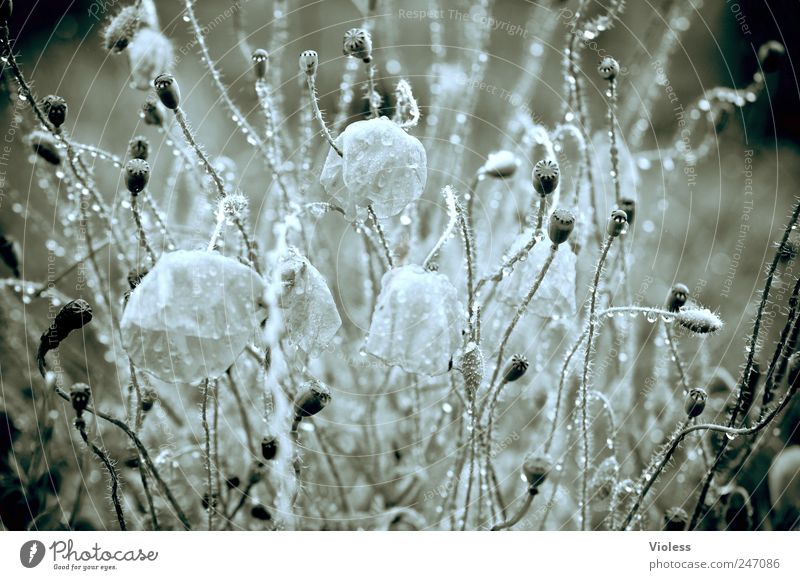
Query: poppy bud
(259, 512)
(516, 368)
(269, 447)
(608, 68)
(536, 468)
(628, 205)
(167, 90)
(500, 164)
(139, 148)
(260, 63)
(695, 402)
(617, 223)
(675, 520)
(56, 109)
(45, 146)
(562, 222)
(137, 174)
(309, 60)
(678, 295)
(149, 398)
(121, 29)
(79, 395)
(771, 55)
(311, 399)
(699, 320)
(151, 113)
(72, 316)
(358, 44)
(545, 177)
(233, 482)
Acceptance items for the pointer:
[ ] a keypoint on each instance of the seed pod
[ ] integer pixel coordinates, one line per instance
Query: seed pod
(149, 398)
(562, 222)
(260, 63)
(309, 61)
(73, 316)
(260, 512)
(675, 520)
(139, 148)
(56, 110)
(121, 29)
(79, 395)
(6, 8)
(8, 253)
(500, 164)
(45, 146)
(312, 397)
(678, 295)
(137, 174)
(358, 44)
(699, 320)
(269, 447)
(151, 112)
(167, 90)
(695, 402)
(617, 223)
(628, 205)
(545, 176)
(771, 55)
(536, 468)
(608, 68)
(516, 368)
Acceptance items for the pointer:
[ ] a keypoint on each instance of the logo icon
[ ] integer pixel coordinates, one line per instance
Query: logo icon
(31, 553)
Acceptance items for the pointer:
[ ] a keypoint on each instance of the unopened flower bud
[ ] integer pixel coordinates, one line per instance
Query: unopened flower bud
(309, 60)
(45, 146)
(167, 90)
(269, 447)
(695, 402)
(545, 177)
(311, 399)
(358, 44)
(500, 164)
(699, 320)
(771, 55)
(151, 114)
(79, 395)
(516, 368)
(260, 512)
(675, 520)
(260, 63)
(149, 398)
(608, 68)
(121, 29)
(628, 205)
(74, 315)
(678, 295)
(137, 174)
(139, 148)
(536, 468)
(617, 223)
(56, 110)
(562, 222)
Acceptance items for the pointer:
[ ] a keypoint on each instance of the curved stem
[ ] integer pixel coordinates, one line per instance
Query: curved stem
(312, 89)
(80, 425)
(526, 505)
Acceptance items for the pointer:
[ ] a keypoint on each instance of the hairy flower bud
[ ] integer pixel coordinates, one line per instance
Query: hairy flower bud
(45, 146)
(695, 402)
(309, 61)
(500, 164)
(121, 29)
(56, 110)
(167, 90)
(260, 63)
(617, 223)
(675, 520)
(608, 68)
(79, 395)
(536, 468)
(771, 55)
(358, 44)
(137, 174)
(73, 316)
(545, 176)
(699, 320)
(515, 369)
(562, 222)
(678, 295)
(139, 148)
